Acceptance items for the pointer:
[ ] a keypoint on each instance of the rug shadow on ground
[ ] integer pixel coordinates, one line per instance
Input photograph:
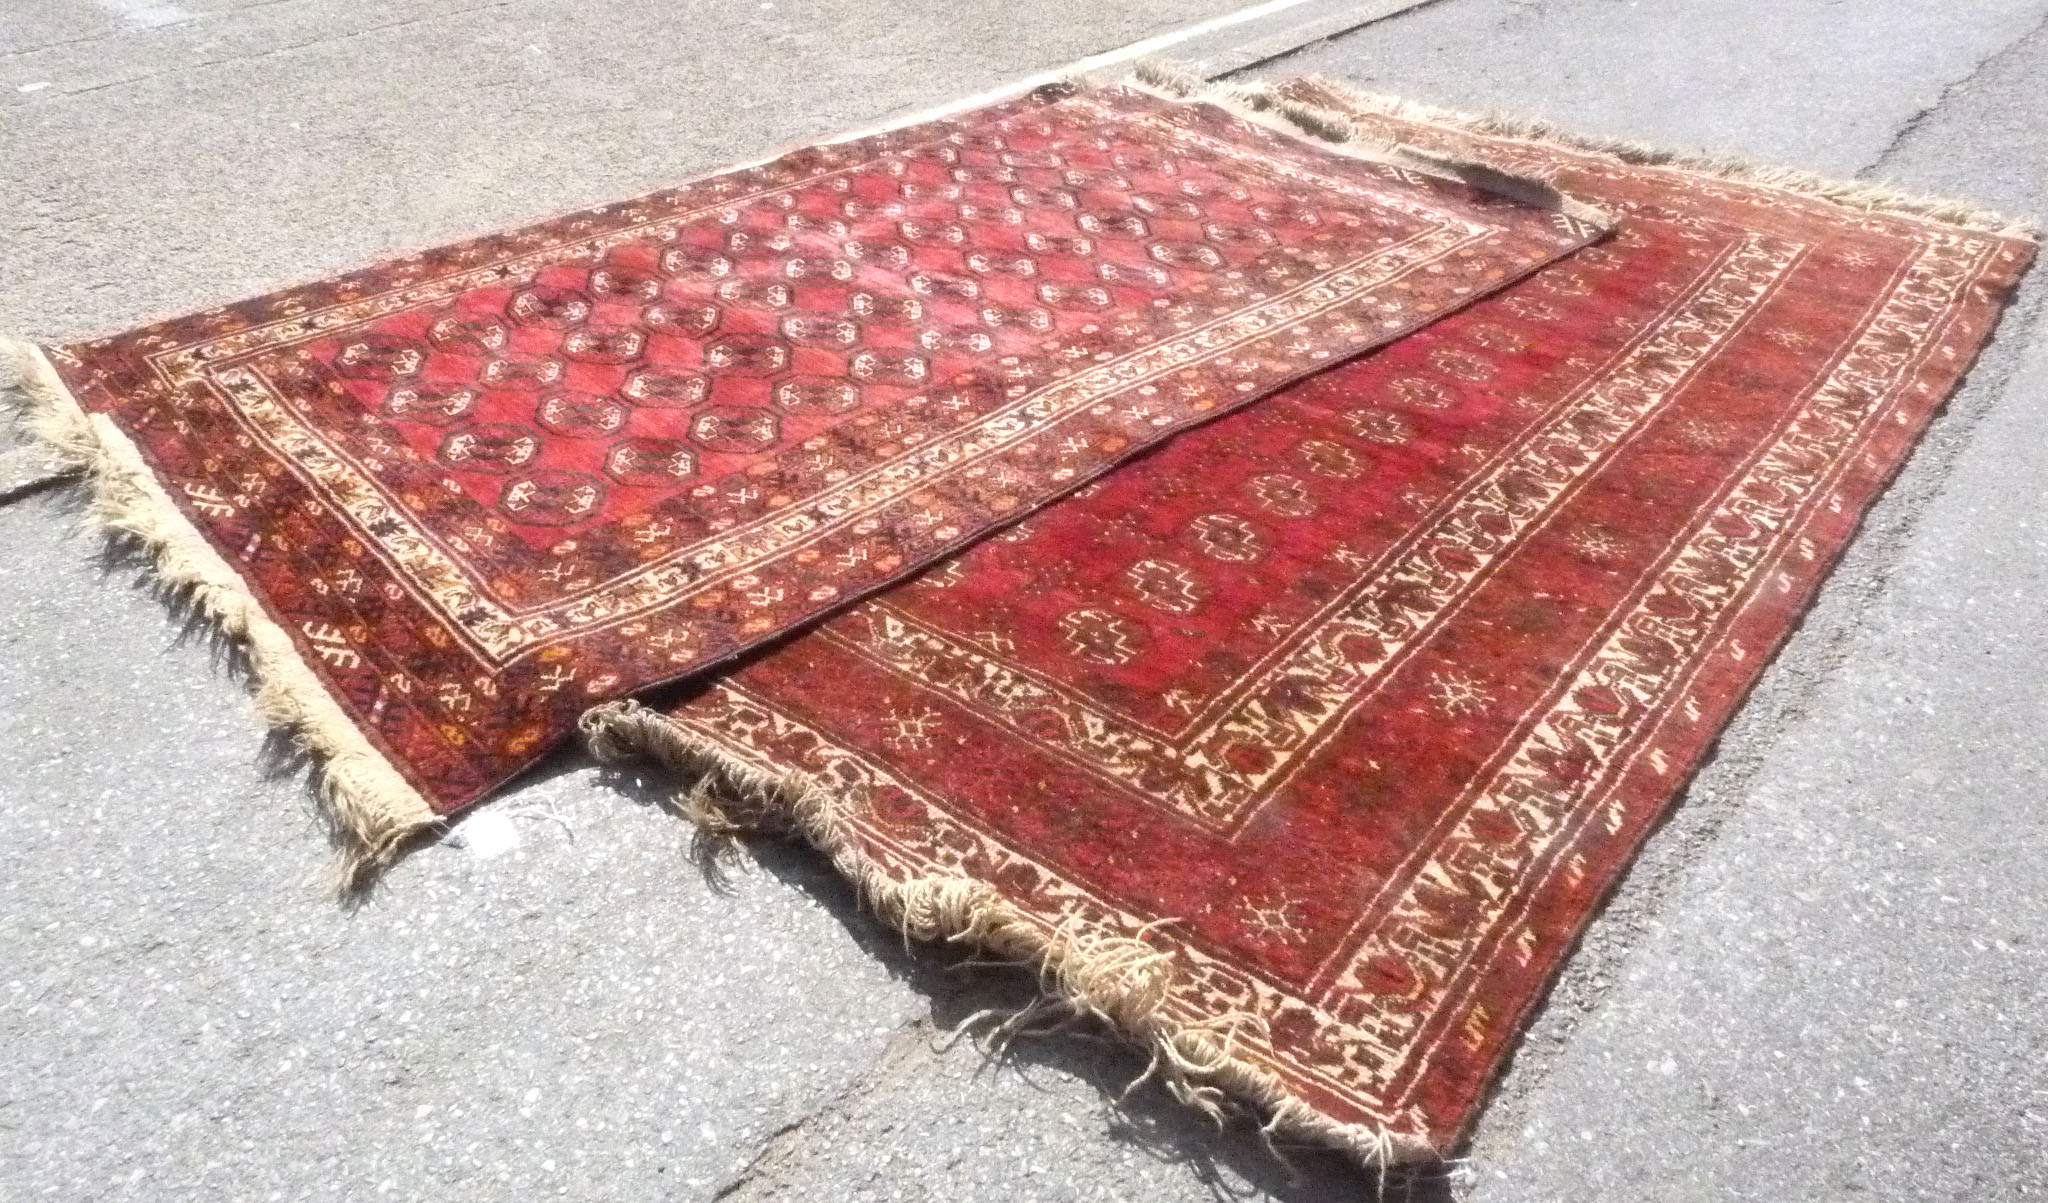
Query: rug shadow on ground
(1231, 1164)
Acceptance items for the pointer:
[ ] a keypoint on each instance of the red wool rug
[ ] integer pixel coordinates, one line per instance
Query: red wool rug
(1303, 747)
(454, 500)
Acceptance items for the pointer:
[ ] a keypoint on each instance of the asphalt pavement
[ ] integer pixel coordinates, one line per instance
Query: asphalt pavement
(1823, 981)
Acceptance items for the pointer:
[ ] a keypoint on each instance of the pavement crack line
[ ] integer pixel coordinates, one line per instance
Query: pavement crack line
(287, 49)
(789, 1147)
(1911, 125)
(1326, 39)
(29, 488)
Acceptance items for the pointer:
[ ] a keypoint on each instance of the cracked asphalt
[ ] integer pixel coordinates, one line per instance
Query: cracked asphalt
(1823, 981)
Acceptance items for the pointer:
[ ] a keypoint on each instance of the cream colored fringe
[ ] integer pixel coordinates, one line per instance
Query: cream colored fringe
(1296, 101)
(375, 812)
(1122, 981)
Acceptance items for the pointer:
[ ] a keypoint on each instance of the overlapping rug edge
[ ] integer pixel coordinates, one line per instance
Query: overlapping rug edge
(372, 810)
(1125, 982)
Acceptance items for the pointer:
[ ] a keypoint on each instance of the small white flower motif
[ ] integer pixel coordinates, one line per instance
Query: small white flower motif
(1275, 921)
(913, 729)
(1457, 694)
(1595, 544)
(1791, 340)
(1701, 435)
(1853, 258)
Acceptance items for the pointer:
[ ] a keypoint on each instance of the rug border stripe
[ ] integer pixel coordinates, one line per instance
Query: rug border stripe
(372, 810)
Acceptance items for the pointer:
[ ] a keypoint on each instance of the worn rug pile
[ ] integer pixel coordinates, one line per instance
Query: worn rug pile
(1265, 559)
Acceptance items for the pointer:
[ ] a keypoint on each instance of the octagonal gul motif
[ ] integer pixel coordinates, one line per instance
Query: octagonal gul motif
(489, 447)
(997, 215)
(735, 428)
(881, 254)
(650, 462)
(610, 344)
(681, 319)
(1101, 637)
(751, 244)
(831, 227)
(940, 284)
(468, 335)
(580, 415)
(1163, 204)
(1198, 255)
(521, 373)
(665, 388)
(1421, 392)
(754, 294)
(816, 268)
(820, 330)
(1044, 198)
(1071, 246)
(552, 498)
(1325, 458)
(1113, 224)
(1226, 234)
(1282, 494)
(889, 311)
(1164, 585)
(817, 395)
(1227, 537)
(884, 367)
(548, 306)
(1134, 275)
(1024, 317)
(933, 233)
(746, 355)
(958, 342)
(1078, 298)
(434, 404)
(1460, 363)
(689, 263)
(990, 263)
(380, 357)
(624, 285)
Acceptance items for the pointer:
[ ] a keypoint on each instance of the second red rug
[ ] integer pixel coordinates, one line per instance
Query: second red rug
(1303, 748)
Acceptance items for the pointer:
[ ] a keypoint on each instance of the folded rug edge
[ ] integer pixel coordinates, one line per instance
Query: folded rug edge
(1854, 195)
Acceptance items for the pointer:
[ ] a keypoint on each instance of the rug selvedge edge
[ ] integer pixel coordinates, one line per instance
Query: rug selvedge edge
(374, 811)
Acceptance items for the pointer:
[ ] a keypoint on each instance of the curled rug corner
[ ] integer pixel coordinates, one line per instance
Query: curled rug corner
(374, 812)
(1125, 981)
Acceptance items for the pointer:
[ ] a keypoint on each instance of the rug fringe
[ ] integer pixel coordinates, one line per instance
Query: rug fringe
(1306, 101)
(374, 811)
(1122, 981)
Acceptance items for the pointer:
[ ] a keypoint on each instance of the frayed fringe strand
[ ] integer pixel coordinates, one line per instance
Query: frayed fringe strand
(1317, 105)
(1336, 134)
(1123, 981)
(373, 809)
